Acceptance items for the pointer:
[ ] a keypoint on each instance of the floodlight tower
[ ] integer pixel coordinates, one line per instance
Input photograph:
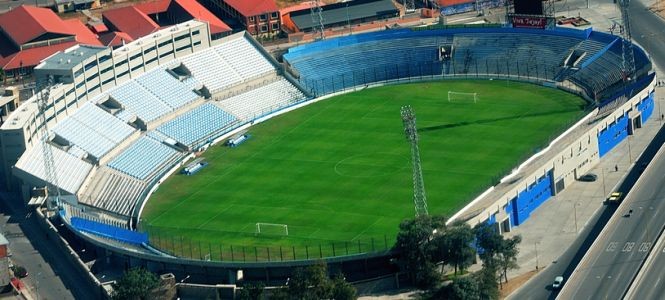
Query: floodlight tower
(419, 200)
(317, 19)
(409, 6)
(628, 58)
(52, 185)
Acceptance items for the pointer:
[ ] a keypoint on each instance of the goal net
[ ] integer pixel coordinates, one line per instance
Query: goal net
(460, 97)
(272, 229)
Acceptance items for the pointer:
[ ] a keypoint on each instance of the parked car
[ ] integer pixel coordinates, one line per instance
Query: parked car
(589, 177)
(558, 282)
(615, 197)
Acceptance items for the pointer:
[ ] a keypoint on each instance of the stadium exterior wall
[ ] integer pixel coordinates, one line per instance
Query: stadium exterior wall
(568, 157)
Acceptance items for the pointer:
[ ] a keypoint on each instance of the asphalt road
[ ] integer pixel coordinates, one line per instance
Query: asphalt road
(615, 260)
(649, 31)
(650, 285)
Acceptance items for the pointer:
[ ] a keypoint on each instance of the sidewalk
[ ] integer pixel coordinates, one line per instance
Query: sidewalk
(553, 227)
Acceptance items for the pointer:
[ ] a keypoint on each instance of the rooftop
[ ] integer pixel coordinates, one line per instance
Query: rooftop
(66, 60)
(253, 8)
(197, 11)
(34, 23)
(345, 11)
(130, 20)
(162, 32)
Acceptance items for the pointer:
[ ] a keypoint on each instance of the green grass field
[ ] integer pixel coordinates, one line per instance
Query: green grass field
(339, 171)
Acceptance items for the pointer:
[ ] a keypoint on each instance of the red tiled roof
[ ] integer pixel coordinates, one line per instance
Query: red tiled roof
(115, 38)
(154, 7)
(453, 2)
(131, 21)
(197, 11)
(253, 7)
(99, 28)
(26, 23)
(83, 34)
(32, 57)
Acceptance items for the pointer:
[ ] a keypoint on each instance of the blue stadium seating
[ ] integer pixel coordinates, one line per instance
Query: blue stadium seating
(198, 125)
(134, 161)
(108, 231)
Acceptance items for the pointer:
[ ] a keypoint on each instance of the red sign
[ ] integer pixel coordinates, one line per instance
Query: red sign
(529, 22)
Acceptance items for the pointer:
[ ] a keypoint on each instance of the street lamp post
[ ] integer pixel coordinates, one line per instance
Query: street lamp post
(535, 245)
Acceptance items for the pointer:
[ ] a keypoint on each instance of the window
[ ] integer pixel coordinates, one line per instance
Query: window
(80, 85)
(197, 43)
(165, 54)
(78, 72)
(121, 63)
(107, 81)
(146, 51)
(162, 44)
(251, 19)
(60, 99)
(274, 15)
(93, 76)
(182, 37)
(104, 58)
(94, 88)
(106, 70)
(136, 67)
(264, 28)
(263, 17)
(151, 60)
(90, 65)
(69, 92)
(135, 56)
(275, 26)
(195, 32)
(182, 48)
(122, 74)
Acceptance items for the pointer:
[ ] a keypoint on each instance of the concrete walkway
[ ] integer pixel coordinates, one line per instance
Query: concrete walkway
(553, 227)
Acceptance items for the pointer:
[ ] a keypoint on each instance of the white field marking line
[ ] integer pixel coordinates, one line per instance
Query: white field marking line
(365, 230)
(215, 216)
(235, 166)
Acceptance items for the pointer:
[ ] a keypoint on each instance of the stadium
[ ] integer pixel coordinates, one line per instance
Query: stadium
(212, 158)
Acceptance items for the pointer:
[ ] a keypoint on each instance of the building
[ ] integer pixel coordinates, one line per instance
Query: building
(4, 261)
(82, 72)
(74, 5)
(258, 17)
(341, 14)
(39, 34)
(143, 19)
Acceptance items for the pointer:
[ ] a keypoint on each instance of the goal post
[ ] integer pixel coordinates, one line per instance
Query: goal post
(271, 229)
(461, 97)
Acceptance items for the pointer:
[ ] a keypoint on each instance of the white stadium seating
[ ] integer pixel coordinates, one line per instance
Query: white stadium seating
(262, 100)
(71, 170)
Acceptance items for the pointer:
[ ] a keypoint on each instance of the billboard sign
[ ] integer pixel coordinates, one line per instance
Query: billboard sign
(529, 22)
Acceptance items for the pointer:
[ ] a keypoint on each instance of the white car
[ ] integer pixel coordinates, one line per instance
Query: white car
(558, 282)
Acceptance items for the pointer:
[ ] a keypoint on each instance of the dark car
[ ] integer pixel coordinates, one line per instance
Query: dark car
(588, 177)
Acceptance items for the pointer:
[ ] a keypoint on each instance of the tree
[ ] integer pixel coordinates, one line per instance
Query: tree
(342, 290)
(412, 244)
(462, 288)
(456, 246)
(313, 282)
(136, 283)
(487, 283)
(508, 255)
(489, 243)
(251, 291)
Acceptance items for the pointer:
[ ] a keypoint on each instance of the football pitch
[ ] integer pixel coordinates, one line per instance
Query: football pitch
(338, 172)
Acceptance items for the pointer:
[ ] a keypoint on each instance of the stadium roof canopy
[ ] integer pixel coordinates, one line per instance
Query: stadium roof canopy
(340, 13)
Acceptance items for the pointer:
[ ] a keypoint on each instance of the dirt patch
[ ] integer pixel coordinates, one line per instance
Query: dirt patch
(287, 3)
(514, 283)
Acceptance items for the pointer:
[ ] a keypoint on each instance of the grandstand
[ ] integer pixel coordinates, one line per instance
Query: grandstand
(115, 150)
(101, 149)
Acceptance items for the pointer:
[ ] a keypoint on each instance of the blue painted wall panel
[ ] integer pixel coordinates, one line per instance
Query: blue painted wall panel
(108, 231)
(646, 107)
(611, 136)
(530, 199)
